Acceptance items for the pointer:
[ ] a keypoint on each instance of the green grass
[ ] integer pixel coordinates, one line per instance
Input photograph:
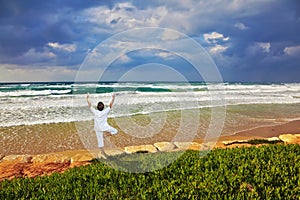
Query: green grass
(267, 172)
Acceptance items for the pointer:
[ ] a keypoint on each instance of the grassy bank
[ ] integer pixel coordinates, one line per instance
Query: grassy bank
(267, 172)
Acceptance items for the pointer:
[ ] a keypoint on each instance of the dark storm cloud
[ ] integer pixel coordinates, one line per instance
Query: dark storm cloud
(26, 25)
(263, 36)
(277, 25)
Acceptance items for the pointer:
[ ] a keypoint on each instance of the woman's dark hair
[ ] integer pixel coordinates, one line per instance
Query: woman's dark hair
(100, 106)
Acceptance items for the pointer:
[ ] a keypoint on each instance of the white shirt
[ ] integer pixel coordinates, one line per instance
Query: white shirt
(100, 119)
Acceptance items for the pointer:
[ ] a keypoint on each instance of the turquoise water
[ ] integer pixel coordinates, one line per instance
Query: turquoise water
(40, 103)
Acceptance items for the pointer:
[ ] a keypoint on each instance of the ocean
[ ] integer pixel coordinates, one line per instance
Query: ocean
(52, 117)
(44, 103)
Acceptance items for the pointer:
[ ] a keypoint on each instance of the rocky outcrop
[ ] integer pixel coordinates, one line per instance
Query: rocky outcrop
(141, 148)
(164, 146)
(34, 165)
(81, 157)
(18, 158)
(290, 138)
(273, 139)
(51, 158)
(188, 145)
(113, 152)
(230, 142)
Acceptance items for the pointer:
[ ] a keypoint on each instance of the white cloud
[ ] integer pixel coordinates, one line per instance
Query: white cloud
(259, 47)
(124, 59)
(191, 16)
(64, 47)
(292, 51)
(16, 73)
(31, 53)
(185, 16)
(214, 37)
(164, 54)
(241, 26)
(265, 46)
(218, 49)
(170, 35)
(152, 72)
(34, 56)
(125, 15)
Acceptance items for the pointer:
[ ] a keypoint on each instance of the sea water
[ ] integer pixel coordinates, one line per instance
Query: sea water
(33, 115)
(44, 103)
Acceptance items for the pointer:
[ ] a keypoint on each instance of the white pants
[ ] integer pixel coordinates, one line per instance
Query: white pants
(99, 135)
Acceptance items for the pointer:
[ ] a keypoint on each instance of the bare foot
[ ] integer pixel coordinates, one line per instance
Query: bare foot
(107, 134)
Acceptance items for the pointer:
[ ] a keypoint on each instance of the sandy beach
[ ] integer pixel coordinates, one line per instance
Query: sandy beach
(41, 149)
(292, 127)
(242, 121)
(31, 165)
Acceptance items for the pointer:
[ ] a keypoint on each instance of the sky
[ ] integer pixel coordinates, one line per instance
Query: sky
(245, 40)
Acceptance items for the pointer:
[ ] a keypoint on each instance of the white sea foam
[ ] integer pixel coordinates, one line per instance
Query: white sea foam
(20, 93)
(37, 104)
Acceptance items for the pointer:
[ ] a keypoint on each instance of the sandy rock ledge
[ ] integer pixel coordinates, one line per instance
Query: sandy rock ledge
(164, 146)
(290, 138)
(141, 148)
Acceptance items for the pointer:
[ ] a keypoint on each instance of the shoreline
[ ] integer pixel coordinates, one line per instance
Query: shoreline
(142, 129)
(268, 131)
(13, 166)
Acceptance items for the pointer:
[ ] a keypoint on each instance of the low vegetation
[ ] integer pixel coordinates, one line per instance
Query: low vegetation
(266, 172)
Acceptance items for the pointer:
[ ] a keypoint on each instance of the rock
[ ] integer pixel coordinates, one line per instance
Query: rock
(290, 138)
(27, 159)
(14, 158)
(81, 158)
(273, 139)
(113, 152)
(188, 145)
(40, 158)
(164, 146)
(230, 142)
(142, 148)
(18, 158)
(51, 158)
(61, 159)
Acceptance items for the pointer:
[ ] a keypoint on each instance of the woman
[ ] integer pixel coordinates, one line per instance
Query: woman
(100, 121)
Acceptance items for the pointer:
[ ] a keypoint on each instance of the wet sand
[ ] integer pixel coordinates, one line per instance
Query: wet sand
(241, 123)
(60, 137)
(292, 127)
(47, 138)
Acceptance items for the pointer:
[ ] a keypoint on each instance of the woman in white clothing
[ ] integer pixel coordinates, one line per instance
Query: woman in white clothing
(100, 121)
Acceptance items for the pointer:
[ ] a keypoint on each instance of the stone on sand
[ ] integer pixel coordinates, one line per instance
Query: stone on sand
(188, 145)
(290, 138)
(273, 139)
(142, 148)
(164, 146)
(61, 159)
(18, 158)
(81, 157)
(50, 158)
(229, 142)
(113, 152)
(40, 158)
